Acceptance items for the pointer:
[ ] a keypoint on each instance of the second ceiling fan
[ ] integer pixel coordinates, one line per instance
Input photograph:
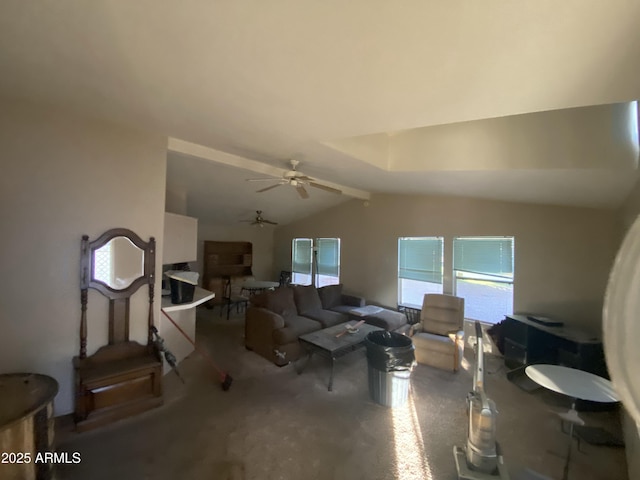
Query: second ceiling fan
(259, 220)
(296, 179)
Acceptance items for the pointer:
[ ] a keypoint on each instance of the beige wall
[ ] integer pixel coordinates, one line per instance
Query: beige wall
(563, 255)
(261, 238)
(64, 176)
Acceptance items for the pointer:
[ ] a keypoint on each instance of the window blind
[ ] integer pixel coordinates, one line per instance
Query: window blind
(484, 255)
(328, 256)
(420, 258)
(301, 261)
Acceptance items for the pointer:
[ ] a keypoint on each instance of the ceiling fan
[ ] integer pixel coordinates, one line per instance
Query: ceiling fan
(296, 179)
(259, 221)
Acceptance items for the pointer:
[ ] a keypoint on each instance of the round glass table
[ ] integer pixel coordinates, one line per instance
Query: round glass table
(573, 383)
(257, 286)
(576, 384)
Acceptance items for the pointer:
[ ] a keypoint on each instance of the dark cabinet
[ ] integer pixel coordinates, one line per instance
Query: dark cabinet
(225, 259)
(527, 342)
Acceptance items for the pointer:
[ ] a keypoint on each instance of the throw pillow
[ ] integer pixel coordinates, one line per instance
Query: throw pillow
(307, 299)
(280, 301)
(330, 296)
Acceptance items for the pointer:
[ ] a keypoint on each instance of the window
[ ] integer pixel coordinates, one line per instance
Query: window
(301, 261)
(103, 265)
(420, 268)
(328, 261)
(323, 267)
(483, 274)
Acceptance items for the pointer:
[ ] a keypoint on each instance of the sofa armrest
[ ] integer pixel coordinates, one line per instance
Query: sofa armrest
(260, 324)
(352, 300)
(264, 318)
(415, 328)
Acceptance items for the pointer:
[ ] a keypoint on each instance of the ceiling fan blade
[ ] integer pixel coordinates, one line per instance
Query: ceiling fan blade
(325, 187)
(302, 192)
(262, 179)
(269, 222)
(268, 188)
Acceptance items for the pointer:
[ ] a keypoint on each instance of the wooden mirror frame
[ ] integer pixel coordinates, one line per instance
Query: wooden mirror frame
(118, 299)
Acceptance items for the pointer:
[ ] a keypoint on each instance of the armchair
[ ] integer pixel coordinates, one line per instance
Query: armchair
(439, 337)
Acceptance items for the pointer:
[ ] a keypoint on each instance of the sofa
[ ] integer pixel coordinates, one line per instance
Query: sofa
(275, 319)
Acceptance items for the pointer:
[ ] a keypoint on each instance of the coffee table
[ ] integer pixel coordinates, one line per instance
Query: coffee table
(326, 344)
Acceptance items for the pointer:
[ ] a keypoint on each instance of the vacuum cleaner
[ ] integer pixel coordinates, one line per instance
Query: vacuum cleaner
(480, 458)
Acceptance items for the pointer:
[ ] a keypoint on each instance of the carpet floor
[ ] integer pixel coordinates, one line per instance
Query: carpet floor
(274, 423)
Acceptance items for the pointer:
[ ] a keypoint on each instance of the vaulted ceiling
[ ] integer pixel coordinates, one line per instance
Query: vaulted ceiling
(525, 101)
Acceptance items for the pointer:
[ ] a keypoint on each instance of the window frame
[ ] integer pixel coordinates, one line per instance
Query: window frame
(497, 277)
(328, 274)
(404, 298)
(298, 276)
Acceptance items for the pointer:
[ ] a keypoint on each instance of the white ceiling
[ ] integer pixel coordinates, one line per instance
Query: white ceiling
(273, 80)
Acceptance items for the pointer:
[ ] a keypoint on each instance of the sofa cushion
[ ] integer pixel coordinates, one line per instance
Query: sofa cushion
(294, 326)
(306, 299)
(279, 301)
(436, 343)
(326, 317)
(330, 296)
(342, 309)
(387, 319)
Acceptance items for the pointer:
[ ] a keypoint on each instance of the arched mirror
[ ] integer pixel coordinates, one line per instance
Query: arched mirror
(118, 263)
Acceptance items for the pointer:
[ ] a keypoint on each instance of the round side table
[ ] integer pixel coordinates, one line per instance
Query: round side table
(575, 384)
(26, 424)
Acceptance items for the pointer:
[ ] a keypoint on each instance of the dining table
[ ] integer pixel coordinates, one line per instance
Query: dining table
(257, 286)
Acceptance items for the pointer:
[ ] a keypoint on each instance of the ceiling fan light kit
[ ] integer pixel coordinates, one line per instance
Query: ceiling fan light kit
(297, 180)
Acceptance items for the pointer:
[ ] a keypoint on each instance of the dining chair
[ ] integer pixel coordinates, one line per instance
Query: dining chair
(285, 278)
(232, 295)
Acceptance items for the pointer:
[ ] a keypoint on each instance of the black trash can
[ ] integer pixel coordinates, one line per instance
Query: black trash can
(181, 291)
(390, 359)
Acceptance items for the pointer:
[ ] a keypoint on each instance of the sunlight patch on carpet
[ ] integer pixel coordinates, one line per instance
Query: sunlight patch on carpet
(465, 364)
(411, 460)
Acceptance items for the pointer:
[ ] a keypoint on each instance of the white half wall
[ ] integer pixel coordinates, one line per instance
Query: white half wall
(64, 176)
(180, 239)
